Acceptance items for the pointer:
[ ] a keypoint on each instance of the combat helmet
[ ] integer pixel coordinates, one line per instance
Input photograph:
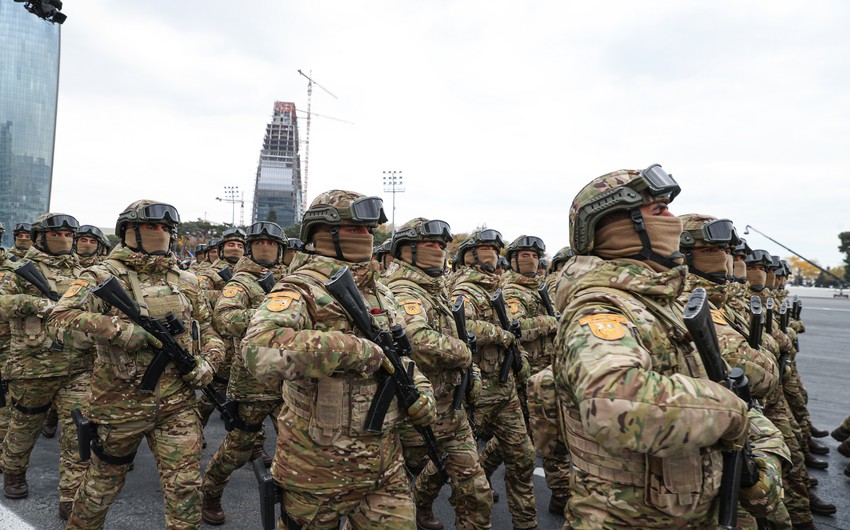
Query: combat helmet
(231, 234)
(147, 211)
(701, 231)
(335, 206)
(95, 233)
(524, 242)
(52, 221)
(742, 248)
(759, 257)
(420, 229)
(484, 236)
(560, 257)
(269, 231)
(625, 190)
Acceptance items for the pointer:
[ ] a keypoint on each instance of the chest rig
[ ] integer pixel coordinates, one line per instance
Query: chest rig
(489, 357)
(335, 406)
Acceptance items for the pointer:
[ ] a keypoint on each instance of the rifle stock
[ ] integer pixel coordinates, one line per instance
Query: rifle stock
(756, 322)
(225, 274)
(768, 315)
(266, 282)
(547, 300)
(29, 272)
(465, 386)
(85, 431)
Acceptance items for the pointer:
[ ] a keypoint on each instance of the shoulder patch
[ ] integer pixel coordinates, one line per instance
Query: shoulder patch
(606, 326)
(76, 287)
(281, 300)
(717, 316)
(412, 306)
(513, 305)
(231, 291)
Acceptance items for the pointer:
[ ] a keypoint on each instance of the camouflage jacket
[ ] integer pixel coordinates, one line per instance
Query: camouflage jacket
(239, 300)
(429, 323)
(17, 253)
(32, 353)
(538, 328)
(163, 288)
(211, 285)
(737, 314)
(641, 419)
(6, 266)
(477, 286)
(302, 336)
(89, 261)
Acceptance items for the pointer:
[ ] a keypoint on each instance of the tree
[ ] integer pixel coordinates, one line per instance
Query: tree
(844, 247)
(803, 270)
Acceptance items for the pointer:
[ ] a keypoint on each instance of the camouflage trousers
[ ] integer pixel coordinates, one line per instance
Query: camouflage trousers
(66, 393)
(205, 406)
(795, 479)
(236, 448)
(175, 443)
(798, 399)
(471, 496)
(505, 420)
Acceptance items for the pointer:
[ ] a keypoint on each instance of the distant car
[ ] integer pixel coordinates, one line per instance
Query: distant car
(840, 294)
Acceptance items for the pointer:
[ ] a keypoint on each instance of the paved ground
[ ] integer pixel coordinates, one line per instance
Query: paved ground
(824, 362)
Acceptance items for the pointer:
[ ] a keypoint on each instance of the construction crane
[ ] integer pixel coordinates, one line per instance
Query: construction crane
(310, 83)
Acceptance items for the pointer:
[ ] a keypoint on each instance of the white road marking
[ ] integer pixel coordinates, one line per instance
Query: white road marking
(10, 521)
(827, 309)
(537, 471)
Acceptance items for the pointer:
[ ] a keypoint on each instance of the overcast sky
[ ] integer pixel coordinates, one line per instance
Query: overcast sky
(496, 112)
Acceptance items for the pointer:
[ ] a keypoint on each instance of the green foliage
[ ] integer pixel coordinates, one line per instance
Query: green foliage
(844, 247)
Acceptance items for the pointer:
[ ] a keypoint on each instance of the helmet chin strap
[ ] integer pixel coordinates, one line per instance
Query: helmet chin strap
(141, 248)
(483, 266)
(714, 277)
(337, 247)
(646, 252)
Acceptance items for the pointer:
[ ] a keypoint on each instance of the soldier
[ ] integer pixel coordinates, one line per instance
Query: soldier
(200, 258)
(23, 242)
(145, 268)
(498, 408)
(293, 247)
(43, 372)
(212, 251)
(326, 462)
(558, 261)
(239, 300)
(90, 245)
(643, 424)
(417, 284)
(6, 266)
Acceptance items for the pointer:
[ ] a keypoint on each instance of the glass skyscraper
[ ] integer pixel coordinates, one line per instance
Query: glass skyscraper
(29, 87)
(277, 188)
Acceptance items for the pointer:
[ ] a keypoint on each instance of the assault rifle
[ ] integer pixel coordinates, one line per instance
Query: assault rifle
(756, 322)
(164, 330)
(768, 315)
(270, 494)
(266, 282)
(783, 327)
(29, 272)
(513, 358)
(394, 343)
(798, 307)
(547, 301)
(225, 274)
(86, 431)
(465, 386)
(739, 467)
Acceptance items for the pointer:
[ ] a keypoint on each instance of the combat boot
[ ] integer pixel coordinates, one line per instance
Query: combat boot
(557, 504)
(211, 511)
(813, 482)
(844, 448)
(426, 520)
(805, 526)
(820, 507)
(65, 510)
(817, 448)
(841, 433)
(48, 430)
(814, 463)
(15, 485)
(817, 433)
(493, 491)
(260, 452)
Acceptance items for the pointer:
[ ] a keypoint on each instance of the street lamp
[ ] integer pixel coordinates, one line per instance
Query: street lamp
(394, 183)
(813, 264)
(231, 195)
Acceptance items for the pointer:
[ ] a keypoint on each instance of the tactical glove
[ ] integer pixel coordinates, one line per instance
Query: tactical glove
(423, 412)
(134, 338)
(763, 498)
(201, 375)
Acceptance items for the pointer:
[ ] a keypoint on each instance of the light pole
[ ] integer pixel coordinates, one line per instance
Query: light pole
(813, 264)
(394, 183)
(231, 195)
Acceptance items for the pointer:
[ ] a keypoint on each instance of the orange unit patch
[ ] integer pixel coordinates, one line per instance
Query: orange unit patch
(607, 326)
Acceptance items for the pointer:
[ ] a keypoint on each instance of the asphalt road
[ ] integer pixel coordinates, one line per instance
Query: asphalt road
(824, 362)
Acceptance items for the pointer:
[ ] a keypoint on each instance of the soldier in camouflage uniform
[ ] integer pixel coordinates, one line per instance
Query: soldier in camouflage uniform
(328, 465)
(23, 241)
(643, 424)
(239, 300)
(555, 267)
(293, 247)
(200, 258)
(145, 268)
(498, 408)
(42, 372)
(90, 245)
(524, 304)
(6, 266)
(418, 249)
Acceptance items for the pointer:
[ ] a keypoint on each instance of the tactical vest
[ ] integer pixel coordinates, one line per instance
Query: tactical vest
(489, 357)
(335, 406)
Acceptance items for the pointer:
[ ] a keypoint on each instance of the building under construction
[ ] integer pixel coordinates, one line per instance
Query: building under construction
(277, 188)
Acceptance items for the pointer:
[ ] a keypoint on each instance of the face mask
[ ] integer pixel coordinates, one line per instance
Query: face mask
(86, 248)
(356, 248)
(58, 245)
(710, 262)
(264, 255)
(620, 240)
(771, 279)
(430, 260)
(739, 269)
(212, 256)
(233, 254)
(527, 266)
(730, 262)
(487, 258)
(23, 243)
(288, 256)
(757, 279)
(154, 242)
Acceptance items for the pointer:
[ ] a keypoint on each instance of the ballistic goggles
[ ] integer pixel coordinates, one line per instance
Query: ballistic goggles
(719, 233)
(759, 257)
(154, 213)
(742, 248)
(59, 222)
(529, 243)
(489, 237)
(90, 230)
(265, 228)
(367, 210)
(232, 233)
(775, 264)
(22, 227)
(293, 243)
(657, 182)
(430, 229)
